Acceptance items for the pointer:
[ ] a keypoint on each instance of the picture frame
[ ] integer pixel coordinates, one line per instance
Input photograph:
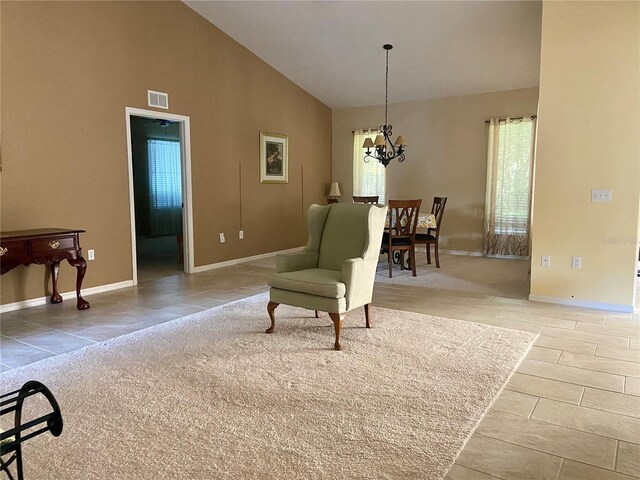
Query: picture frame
(274, 158)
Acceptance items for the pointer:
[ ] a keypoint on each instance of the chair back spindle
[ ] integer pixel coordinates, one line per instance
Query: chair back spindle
(403, 222)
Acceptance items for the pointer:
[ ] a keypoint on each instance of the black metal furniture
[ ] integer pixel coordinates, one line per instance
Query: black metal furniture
(11, 440)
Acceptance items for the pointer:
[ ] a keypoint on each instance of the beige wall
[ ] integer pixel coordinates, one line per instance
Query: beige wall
(447, 154)
(68, 71)
(588, 138)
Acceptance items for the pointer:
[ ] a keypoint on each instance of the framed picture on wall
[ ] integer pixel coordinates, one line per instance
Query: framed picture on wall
(274, 158)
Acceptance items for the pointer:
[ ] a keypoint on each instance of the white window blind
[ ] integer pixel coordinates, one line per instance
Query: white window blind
(165, 175)
(369, 178)
(509, 182)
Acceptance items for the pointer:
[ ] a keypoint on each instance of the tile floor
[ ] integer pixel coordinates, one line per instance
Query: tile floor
(570, 412)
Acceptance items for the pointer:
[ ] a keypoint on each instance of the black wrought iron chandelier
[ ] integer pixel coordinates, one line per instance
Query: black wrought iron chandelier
(385, 149)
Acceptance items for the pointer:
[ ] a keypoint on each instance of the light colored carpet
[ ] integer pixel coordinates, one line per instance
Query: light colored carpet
(458, 273)
(479, 275)
(211, 396)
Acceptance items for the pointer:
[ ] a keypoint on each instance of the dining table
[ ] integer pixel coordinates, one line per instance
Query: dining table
(425, 220)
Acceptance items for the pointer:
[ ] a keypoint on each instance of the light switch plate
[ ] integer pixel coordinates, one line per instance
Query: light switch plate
(545, 260)
(222, 240)
(576, 262)
(91, 254)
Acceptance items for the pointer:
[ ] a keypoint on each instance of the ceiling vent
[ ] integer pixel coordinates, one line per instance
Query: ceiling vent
(158, 99)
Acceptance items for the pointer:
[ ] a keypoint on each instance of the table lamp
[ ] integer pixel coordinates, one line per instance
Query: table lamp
(334, 192)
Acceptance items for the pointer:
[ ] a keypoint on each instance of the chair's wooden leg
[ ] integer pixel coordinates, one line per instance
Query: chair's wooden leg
(412, 255)
(367, 311)
(428, 253)
(435, 249)
(401, 259)
(271, 306)
(317, 316)
(390, 263)
(337, 323)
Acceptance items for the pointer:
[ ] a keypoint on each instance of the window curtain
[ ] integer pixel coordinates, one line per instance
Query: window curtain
(165, 186)
(370, 177)
(509, 186)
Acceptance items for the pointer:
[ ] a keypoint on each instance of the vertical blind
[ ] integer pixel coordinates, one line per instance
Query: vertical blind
(509, 183)
(165, 176)
(369, 178)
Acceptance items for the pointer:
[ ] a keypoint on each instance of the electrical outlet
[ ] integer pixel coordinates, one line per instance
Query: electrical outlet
(545, 261)
(91, 254)
(600, 195)
(241, 234)
(576, 262)
(222, 240)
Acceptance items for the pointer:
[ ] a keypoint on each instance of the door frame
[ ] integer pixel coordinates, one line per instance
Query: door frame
(187, 210)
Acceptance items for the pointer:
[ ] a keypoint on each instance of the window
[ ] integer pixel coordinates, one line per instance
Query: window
(165, 176)
(509, 180)
(369, 178)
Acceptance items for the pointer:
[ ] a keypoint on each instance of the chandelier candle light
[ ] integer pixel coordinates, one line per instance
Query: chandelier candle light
(384, 149)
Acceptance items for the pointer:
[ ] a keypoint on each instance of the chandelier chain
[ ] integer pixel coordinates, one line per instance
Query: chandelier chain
(386, 91)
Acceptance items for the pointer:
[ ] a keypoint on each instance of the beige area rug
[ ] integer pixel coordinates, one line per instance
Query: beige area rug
(211, 396)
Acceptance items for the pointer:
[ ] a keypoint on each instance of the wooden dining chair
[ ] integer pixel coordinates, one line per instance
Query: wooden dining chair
(369, 199)
(433, 234)
(403, 221)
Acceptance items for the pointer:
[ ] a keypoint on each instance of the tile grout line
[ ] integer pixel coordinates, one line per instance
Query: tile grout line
(28, 344)
(533, 409)
(534, 420)
(539, 395)
(571, 383)
(547, 453)
(585, 431)
(582, 368)
(635, 336)
(476, 470)
(560, 468)
(579, 404)
(584, 389)
(529, 448)
(600, 371)
(626, 339)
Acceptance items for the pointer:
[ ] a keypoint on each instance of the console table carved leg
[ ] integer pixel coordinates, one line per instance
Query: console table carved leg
(55, 296)
(49, 247)
(81, 265)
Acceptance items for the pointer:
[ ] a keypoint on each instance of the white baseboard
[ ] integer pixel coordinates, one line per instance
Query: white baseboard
(480, 254)
(235, 261)
(462, 252)
(33, 302)
(614, 307)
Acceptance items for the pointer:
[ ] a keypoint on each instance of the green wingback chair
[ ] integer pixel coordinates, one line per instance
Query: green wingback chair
(336, 270)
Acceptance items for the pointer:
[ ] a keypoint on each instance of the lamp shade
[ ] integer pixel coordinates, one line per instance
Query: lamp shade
(379, 141)
(401, 140)
(368, 143)
(335, 190)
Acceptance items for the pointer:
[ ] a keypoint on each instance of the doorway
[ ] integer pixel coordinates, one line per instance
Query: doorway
(160, 194)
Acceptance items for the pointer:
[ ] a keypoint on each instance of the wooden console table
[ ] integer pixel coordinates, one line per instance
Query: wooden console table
(48, 246)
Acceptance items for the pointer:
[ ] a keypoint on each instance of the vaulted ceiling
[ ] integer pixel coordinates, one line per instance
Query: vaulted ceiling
(333, 49)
